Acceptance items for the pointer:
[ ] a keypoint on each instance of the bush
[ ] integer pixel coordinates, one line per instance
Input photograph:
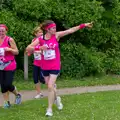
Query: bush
(68, 13)
(112, 61)
(6, 4)
(86, 52)
(35, 10)
(80, 61)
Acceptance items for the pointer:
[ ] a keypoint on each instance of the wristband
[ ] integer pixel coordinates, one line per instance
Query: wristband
(81, 26)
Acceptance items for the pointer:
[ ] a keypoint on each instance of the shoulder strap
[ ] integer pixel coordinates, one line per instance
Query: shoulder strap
(7, 40)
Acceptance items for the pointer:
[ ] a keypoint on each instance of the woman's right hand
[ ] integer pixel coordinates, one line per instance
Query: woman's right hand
(27, 53)
(29, 50)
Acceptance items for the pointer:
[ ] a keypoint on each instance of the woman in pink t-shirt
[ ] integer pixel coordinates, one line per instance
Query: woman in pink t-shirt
(51, 58)
(8, 50)
(37, 73)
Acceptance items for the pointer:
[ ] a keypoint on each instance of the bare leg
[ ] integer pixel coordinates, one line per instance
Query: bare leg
(15, 92)
(51, 90)
(17, 96)
(6, 96)
(37, 87)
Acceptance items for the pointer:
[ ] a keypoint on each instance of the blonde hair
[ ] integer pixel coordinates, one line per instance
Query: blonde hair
(36, 30)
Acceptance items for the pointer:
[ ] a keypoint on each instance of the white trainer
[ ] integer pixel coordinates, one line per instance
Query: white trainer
(59, 103)
(49, 113)
(39, 96)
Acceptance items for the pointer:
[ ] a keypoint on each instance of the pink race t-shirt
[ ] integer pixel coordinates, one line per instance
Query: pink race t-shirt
(37, 56)
(8, 56)
(51, 56)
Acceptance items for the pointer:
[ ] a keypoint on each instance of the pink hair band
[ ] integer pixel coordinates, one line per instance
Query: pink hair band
(4, 26)
(50, 26)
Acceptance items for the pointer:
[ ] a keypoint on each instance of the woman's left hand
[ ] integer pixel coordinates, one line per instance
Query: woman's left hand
(89, 25)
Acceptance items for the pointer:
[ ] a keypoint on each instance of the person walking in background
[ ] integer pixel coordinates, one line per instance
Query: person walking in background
(37, 74)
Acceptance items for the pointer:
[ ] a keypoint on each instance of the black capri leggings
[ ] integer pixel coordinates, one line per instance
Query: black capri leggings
(37, 75)
(6, 80)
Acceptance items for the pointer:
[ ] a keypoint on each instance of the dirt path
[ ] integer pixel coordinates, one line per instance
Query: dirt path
(29, 95)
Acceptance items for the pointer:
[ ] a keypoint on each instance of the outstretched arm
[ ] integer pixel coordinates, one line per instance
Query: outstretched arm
(72, 30)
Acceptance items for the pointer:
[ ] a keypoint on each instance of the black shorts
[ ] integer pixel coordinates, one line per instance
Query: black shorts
(37, 75)
(48, 72)
(6, 76)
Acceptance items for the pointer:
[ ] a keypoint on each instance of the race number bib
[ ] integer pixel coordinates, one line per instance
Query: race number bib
(49, 54)
(37, 56)
(2, 52)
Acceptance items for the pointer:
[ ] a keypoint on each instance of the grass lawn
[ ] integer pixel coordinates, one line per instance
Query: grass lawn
(90, 106)
(72, 82)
